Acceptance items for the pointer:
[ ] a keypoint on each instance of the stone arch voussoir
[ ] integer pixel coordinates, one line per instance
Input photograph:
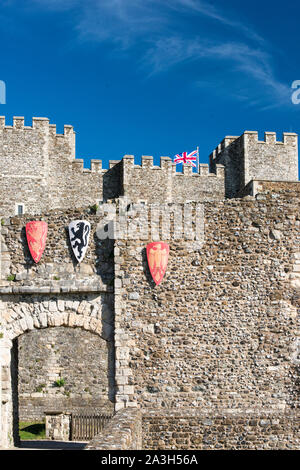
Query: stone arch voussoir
(70, 319)
(21, 317)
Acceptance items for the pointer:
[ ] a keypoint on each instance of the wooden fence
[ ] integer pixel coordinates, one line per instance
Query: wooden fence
(86, 426)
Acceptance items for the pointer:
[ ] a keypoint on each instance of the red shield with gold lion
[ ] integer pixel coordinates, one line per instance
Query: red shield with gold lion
(157, 255)
(36, 233)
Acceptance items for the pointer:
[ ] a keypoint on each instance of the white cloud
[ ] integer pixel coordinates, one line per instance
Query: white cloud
(126, 20)
(208, 10)
(120, 21)
(151, 23)
(253, 63)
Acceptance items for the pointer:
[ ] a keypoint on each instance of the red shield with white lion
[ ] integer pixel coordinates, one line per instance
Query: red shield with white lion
(157, 255)
(36, 233)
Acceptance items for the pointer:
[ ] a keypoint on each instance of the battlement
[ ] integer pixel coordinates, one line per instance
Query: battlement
(166, 164)
(203, 171)
(95, 166)
(222, 145)
(147, 163)
(288, 138)
(37, 123)
(37, 160)
(246, 158)
(49, 130)
(162, 183)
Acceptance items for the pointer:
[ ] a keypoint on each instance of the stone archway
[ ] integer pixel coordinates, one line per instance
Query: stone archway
(21, 314)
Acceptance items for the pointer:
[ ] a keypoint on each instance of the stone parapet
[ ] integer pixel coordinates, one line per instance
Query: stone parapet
(123, 432)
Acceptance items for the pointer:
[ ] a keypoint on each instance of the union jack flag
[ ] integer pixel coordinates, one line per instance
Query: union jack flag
(187, 158)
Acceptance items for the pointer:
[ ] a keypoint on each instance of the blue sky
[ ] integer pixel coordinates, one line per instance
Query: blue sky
(151, 77)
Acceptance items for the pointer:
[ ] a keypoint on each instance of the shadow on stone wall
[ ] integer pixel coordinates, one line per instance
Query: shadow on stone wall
(112, 186)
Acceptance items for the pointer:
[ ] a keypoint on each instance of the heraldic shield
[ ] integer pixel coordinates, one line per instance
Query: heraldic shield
(157, 255)
(79, 233)
(36, 233)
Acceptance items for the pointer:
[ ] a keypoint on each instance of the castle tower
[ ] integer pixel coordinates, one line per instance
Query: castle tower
(246, 158)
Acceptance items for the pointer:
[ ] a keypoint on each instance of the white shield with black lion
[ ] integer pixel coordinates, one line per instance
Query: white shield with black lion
(79, 232)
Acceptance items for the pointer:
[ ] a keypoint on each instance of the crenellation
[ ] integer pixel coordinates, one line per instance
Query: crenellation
(290, 138)
(165, 163)
(40, 123)
(128, 161)
(187, 169)
(18, 122)
(228, 140)
(270, 137)
(147, 161)
(246, 158)
(233, 163)
(52, 130)
(220, 171)
(78, 164)
(203, 169)
(68, 129)
(96, 166)
(112, 163)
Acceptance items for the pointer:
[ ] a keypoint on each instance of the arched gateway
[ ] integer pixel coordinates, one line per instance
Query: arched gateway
(22, 313)
(55, 292)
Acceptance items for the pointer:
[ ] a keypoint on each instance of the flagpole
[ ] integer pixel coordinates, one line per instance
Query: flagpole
(198, 165)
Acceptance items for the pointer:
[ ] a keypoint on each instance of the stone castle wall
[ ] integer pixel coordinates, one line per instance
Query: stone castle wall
(220, 331)
(198, 429)
(164, 184)
(57, 268)
(56, 292)
(38, 168)
(218, 336)
(246, 158)
(80, 358)
(206, 430)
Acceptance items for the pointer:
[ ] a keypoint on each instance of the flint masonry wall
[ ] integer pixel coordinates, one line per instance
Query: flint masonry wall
(205, 430)
(57, 292)
(58, 268)
(81, 358)
(23, 165)
(246, 158)
(153, 429)
(38, 168)
(123, 432)
(220, 331)
(163, 183)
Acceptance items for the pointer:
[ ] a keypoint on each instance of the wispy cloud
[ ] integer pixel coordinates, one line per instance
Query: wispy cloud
(126, 20)
(151, 23)
(210, 11)
(120, 21)
(253, 63)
